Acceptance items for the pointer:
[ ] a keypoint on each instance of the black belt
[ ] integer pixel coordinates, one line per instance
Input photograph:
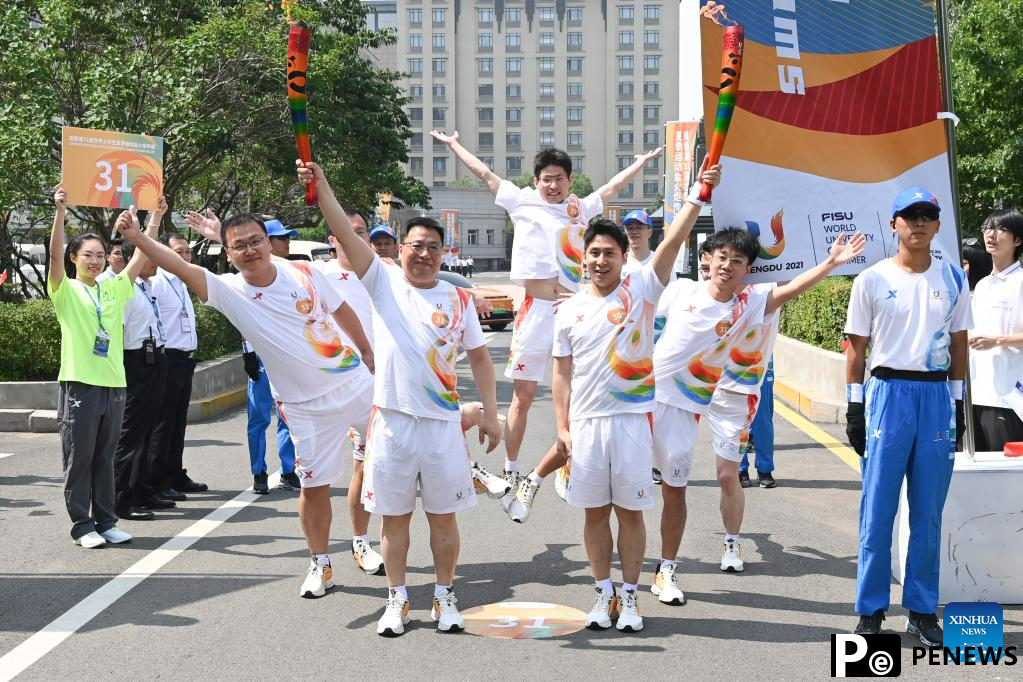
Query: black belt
(911, 375)
(174, 352)
(159, 349)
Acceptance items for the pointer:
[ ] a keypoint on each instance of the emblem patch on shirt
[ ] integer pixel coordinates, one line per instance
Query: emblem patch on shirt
(304, 306)
(722, 327)
(440, 319)
(616, 315)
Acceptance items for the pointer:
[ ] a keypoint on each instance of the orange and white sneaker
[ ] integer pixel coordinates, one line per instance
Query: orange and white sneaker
(395, 617)
(629, 619)
(367, 558)
(666, 587)
(318, 579)
(562, 479)
(489, 484)
(605, 609)
(445, 613)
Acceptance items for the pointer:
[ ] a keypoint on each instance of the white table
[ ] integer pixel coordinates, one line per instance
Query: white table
(981, 531)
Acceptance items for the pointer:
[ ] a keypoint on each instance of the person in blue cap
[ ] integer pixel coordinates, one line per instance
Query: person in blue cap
(913, 312)
(638, 227)
(384, 242)
(280, 238)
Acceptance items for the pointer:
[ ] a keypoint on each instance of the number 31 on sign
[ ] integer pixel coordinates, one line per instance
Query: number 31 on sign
(110, 169)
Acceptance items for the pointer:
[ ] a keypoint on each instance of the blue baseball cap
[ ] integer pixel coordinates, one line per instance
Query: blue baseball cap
(382, 231)
(911, 197)
(275, 228)
(638, 216)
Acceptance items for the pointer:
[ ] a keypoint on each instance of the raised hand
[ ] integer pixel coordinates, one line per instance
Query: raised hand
(207, 225)
(127, 224)
(446, 139)
(842, 252)
(649, 155)
(60, 197)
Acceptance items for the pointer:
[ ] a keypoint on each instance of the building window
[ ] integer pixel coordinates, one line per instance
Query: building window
(547, 90)
(488, 161)
(472, 236)
(440, 66)
(513, 15)
(485, 67)
(440, 91)
(513, 115)
(575, 40)
(415, 92)
(652, 88)
(652, 38)
(415, 164)
(625, 137)
(574, 14)
(575, 64)
(513, 67)
(546, 65)
(490, 237)
(486, 90)
(513, 40)
(651, 63)
(626, 63)
(415, 41)
(485, 15)
(577, 164)
(626, 12)
(651, 12)
(547, 14)
(415, 67)
(416, 140)
(438, 41)
(485, 41)
(440, 113)
(625, 114)
(575, 114)
(547, 41)
(439, 16)
(486, 114)
(440, 165)
(513, 140)
(415, 17)
(415, 114)
(651, 113)
(626, 38)
(547, 138)
(625, 88)
(624, 162)
(652, 166)
(486, 139)
(513, 91)
(514, 165)
(575, 138)
(575, 90)
(651, 138)
(650, 188)
(627, 191)
(546, 114)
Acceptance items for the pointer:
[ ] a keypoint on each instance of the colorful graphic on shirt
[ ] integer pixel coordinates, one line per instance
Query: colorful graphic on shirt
(777, 229)
(938, 357)
(746, 364)
(320, 331)
(570, 242)
(444, 352)
(631, 349)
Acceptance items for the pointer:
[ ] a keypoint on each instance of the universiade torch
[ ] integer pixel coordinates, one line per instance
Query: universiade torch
(298, 65)
(731, 68)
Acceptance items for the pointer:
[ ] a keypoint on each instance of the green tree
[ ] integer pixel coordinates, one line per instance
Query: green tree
(987, 82)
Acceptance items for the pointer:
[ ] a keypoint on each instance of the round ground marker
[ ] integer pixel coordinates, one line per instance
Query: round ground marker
(523, 620)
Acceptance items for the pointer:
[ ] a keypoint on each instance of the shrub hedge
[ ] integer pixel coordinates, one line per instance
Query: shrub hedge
(818, 316)
(31, 339)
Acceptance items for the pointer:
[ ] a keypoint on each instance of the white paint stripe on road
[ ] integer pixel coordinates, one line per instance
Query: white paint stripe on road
(43, 642)
(6, 454)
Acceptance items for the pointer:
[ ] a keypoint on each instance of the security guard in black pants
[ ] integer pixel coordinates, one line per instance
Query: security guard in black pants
(170, 478)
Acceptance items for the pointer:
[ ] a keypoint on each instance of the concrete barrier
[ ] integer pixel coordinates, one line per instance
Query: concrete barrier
(811, 380)
(219, 385)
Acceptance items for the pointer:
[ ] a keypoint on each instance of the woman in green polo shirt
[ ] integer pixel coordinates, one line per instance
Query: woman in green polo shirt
(91, 397)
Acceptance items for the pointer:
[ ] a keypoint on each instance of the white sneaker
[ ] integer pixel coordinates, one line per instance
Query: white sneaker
(115, 536)
(90, 540)
(731, 557)
(395, 617)
(445, 613)
(367, 558)
(561, 480)
(605, 608)
(629, 619)
(523, 502)
(318, 579)
(486, 482)
(666, 587)
(513, 479)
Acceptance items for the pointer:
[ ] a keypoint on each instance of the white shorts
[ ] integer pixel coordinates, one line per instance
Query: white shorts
(358, 444)
(319, 428)
(611, 462)
(674, 440)
(401, 451)
(532, 341)
(729, 416)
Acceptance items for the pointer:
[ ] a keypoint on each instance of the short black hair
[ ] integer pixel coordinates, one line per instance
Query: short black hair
(552, 157)
(980, 262)
(428, 223)
(737, 239)
(704, 248)
(603, 226)
(352, 211)
(239, 220)
(166, 237)
(115, 241)
(1012, 220)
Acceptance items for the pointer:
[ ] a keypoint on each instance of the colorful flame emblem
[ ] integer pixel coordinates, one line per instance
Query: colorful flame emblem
(304, 306)
(631, 349)
(444, 352)
(439, 319)
(777, 229)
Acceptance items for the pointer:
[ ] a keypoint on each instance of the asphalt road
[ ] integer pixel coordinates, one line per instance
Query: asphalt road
(227, 606)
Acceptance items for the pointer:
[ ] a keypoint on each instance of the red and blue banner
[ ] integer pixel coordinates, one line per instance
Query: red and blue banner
(837, 111)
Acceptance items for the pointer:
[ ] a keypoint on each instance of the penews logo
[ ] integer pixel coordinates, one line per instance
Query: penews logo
(777, 229)
(871, 656)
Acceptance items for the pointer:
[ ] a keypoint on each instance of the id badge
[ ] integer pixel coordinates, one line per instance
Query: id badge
(186, 324)
(102, 345)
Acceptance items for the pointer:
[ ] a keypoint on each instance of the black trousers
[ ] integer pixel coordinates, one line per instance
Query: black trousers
(169, 433)
(134, 457)
(993, 427)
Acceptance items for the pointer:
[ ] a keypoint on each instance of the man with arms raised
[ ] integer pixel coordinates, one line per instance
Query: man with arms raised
(415, 432)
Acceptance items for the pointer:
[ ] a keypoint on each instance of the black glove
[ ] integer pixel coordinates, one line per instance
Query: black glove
(251, 365)
(960, 422)
(856, 428)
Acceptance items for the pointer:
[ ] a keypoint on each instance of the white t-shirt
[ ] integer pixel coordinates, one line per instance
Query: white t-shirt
(997, 309)
(290, 326)
(548, 241)
(351, 291)
(141, 321)
(417, 336)
(909, 317)
(633, 264)
(611, 341)
(747, 361)
(699, 332)
(176, 311)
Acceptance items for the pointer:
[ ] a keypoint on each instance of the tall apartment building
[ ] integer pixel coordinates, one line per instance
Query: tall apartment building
(598, 79)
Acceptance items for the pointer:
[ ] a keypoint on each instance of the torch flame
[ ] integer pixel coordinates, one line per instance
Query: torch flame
(715, 11)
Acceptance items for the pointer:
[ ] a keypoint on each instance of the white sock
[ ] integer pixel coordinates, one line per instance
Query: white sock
(605, 585)
(364, 538)
(400, 589)
(439, 590)
(535, 477)
(731, 538)
(509, 465)
(628, 587)
(322, 559)
(667, 563)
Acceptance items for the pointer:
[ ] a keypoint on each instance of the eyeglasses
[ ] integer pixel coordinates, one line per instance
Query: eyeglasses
(245, 246)
(914, 214)
(89, 255)
(552, 179)
(970, 241)
(997, 229)
(419, 248)
(736, 262)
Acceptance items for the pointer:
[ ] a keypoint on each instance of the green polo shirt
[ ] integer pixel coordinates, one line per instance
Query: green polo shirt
(75, 305)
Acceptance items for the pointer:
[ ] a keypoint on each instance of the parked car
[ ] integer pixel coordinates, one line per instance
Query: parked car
(503, 313)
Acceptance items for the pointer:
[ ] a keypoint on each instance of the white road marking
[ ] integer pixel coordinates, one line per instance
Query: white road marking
(44, 641)
(6, 454)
